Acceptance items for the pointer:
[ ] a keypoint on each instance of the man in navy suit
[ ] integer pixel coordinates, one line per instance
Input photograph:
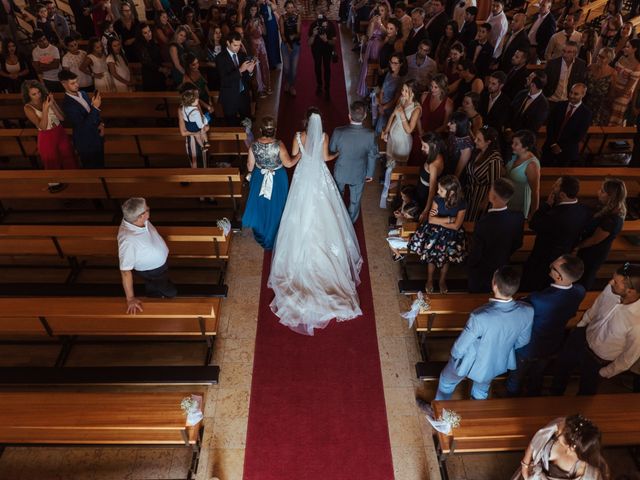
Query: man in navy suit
(435, 26)
(84, 114)
(558, 224)
(496, 235)
(553, 307)
(234, 70)
(567, 127)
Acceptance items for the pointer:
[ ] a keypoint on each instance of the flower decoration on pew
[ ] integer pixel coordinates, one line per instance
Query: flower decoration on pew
(446, 423)
(191, 408)
(421, 304)
(225, 225)
(246, 123)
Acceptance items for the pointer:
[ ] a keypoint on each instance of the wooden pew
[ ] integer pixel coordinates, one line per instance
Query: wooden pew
(498, 425)
(57, 418)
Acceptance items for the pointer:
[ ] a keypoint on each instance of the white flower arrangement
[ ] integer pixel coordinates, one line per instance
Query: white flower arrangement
(225, 225)
(191, 408)
(421, 304)
(446, 423)
(189, 404)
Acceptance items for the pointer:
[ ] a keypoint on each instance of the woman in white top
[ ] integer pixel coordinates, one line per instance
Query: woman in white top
(119, 67)
(95, 64)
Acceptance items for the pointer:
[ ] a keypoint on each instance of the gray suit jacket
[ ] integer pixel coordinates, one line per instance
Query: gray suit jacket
(358, 153)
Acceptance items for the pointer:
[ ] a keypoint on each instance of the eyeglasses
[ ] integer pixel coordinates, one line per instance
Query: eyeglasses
(627, 272)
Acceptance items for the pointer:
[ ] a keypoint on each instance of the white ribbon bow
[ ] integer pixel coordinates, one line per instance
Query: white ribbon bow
(267, 182)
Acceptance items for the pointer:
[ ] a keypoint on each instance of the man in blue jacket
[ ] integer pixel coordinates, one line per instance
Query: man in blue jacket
(84, 114)
(553, 307)
(486, 347)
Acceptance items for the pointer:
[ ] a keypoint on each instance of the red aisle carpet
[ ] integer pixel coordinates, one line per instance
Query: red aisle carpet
(317, 403)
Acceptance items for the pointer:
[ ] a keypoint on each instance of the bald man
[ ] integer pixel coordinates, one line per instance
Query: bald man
(516, 39)
(566, 127)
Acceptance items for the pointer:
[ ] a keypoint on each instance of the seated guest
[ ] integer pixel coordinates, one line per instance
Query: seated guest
(494, 104)
(421, 67)
(517, 74)
(469, 28)
(529, 108)
(418, 32)
(603, 229)
(486, 347)
(606, 341)
(558, 40)
(581, 459)
(567, 126)
(496, 236)
(553, 307)
(524, 171)
(142, 249)
(541, 30)
(558, 224)
(480, 50)
(516, 39)
(409, 209)
(562, 72)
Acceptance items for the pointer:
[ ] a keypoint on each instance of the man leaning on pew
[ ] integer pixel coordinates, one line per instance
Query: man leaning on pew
(486, 347)
(141, 248)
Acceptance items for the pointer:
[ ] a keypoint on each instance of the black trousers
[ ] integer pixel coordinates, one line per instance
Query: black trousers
(157, 282)
(322, 61)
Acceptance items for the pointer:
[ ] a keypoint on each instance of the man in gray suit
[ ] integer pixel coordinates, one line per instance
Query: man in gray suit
(486, 347)
(357, 153)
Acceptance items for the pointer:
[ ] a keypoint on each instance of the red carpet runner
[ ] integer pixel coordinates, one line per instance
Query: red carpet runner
(317, 403)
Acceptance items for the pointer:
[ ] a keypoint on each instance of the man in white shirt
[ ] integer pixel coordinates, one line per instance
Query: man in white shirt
(46, 61)
(421, 67)
(560, 39)
(544, 26)
(499, 25)
(141, 248)
(73, 59)
(606, 341)
(563, 72)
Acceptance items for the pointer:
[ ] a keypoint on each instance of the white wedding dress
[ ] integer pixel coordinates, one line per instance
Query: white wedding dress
(316, 259)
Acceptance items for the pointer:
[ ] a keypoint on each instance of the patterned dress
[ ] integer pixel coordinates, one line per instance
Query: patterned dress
(482, 171)
(437, 244)
(455, 146)
(621, 92)
(597, 92)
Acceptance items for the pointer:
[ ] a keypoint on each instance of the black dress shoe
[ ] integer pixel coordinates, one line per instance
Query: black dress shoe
(57, 187)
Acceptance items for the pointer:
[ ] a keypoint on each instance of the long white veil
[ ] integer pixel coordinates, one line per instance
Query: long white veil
(316, 259)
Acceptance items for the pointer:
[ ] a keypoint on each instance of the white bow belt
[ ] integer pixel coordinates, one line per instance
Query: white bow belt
(267, 182)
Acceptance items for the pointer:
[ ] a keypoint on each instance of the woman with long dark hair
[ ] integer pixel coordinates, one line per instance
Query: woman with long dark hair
(14, 67)
(484, 168)
(459, 144)
(154, 73)
(433, 150)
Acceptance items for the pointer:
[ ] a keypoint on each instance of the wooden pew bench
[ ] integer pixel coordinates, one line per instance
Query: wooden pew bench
(499, 425)
(55, 418)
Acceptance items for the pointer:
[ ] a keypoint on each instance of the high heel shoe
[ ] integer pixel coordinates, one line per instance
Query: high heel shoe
(428, 289)
(443, 288)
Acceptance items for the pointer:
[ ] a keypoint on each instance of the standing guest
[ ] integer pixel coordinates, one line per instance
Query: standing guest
(154, 73)
(400, 13)
(214, 47)
(177, 49)
(484, 169)
(559, 40)
(567, 448)
(567, 126)
(84, 115)
(588, 46)
(486, 347)
(515, 39)
(43, 23)
(606, 341)
(54, 145)
(600, 75)
(611, 23)
(603, 229)
(562, 73)
(516, 80)
(268, 184)
(268, 10)
(194, 76)
(441, 239)
(459, 145)
(255, 29)
(558, 224)
(432, 149)
(628, 32)
(530, 108)
(163, 32)
(444, 47)
(625, 81)
(542, 28)
(391, 90)
(393, 43)
(73, 60)
(496, 236)
(322, 40)
(417, 33)
(119, 67)
(376, 33)
(142, 249)
(290, 28)
(46, 61)
(524, 171)
(230, 21)
(553, 307)
(460, 10)
(480, 50)
(9, 12)
(470, 106)
(14, 67)
(82, 15)
(421, 67)
(437, 23)
(235, 71)
(95, 65)
(494, 105)
(127, 27)
(499, 25)
(456, 55)
(57, 20)
(469, 81)
(101, 15)
(469, 29)
(194, 126)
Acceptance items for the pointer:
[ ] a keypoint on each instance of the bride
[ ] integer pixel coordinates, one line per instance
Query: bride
(316, 259)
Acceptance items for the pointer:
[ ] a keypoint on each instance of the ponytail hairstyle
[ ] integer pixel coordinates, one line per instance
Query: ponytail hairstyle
(453, 188)
(584, 436)
(436, 146)
(616, 191)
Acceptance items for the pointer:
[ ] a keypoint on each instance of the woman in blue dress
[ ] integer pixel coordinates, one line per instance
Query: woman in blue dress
(268, 184)
(272, 37)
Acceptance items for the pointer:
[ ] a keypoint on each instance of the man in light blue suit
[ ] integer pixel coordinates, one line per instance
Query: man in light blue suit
(357, 153)
(486, 347)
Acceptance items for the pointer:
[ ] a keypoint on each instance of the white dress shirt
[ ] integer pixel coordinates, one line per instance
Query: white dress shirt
(560, 95)
(613, 331)
(499, 27)
(140, 248)
(557, 43)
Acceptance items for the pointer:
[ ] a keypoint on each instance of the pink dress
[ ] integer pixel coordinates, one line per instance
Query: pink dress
(371, 53)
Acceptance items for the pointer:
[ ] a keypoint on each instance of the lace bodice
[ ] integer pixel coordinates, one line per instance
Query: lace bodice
(267, 155)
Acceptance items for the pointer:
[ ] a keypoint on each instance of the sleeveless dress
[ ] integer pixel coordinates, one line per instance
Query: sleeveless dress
(123, 70)
(268, 190)
(372, 52)
(430, 121)
(316, 259)
(99, 65)
(399, 142)
(595, 255)
(521, 200)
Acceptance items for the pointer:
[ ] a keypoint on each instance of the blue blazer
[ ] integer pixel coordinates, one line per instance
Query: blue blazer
(486, 347)
(85, 124)
(552, 308)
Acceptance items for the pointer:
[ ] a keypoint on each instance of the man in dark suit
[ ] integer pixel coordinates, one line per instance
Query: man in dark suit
(234, 70)
(557, 224)
(567, 126)
(553, 307)
(516, 80)
(564, 71)
(436, 24)
(495, 106)
(84, 114)
(516, 39)
(542, 28)
(530, 108)
(480, 50)
(496, 235)
(469, 28)
(417, 33)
